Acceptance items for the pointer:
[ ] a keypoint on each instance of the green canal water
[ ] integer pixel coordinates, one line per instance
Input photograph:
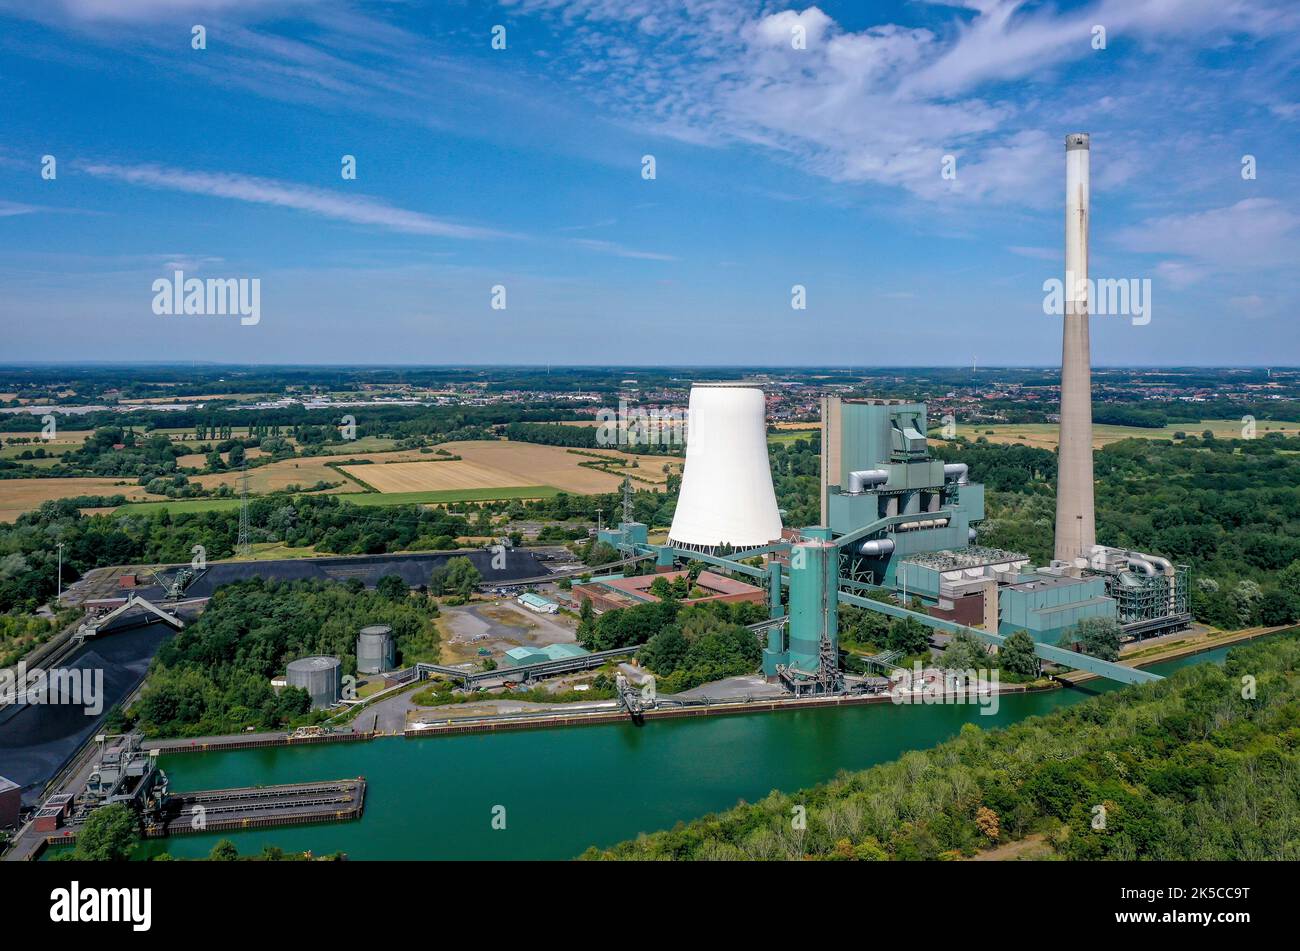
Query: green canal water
(566, 789)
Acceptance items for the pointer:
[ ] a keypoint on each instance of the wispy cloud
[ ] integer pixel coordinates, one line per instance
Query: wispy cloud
(356, 209)
(10, 208)
(1254, 234)
(619, 251)
(884, 104)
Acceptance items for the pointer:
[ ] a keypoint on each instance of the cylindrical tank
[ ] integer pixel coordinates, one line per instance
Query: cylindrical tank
(321, 677)
(376, 649)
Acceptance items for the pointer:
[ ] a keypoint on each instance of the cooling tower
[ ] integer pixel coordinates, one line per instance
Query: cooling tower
(1076, 529)
(726, 496)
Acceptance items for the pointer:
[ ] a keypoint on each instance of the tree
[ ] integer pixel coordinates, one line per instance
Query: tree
(963, 652)
(1017, 655)
(665, 651)
(908, 635)
(1096, 636)
(457, 577)
(393, 588)
(601, 554)
(223, 851)
(1278, 607)
(108, 835)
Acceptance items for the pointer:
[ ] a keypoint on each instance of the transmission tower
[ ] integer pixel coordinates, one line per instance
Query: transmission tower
(627, 499)
(243, 548)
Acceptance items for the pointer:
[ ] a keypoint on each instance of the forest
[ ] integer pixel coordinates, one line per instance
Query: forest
(1204, 765)
(214, 677)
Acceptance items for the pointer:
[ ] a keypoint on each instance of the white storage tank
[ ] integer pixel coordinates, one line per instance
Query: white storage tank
(376, 649)
(321, 677)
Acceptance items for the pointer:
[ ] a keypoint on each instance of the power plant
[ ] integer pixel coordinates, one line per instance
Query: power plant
(726, 499)
(1076, 529)
(894, 519)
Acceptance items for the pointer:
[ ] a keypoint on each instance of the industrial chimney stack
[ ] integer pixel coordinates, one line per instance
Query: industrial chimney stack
(1076, 529)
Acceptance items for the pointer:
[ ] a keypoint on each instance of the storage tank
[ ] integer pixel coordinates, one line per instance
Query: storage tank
(376, 649)
(321, 677)
(726, 496)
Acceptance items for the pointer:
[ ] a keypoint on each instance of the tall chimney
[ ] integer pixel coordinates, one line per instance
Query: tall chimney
(1076, 528)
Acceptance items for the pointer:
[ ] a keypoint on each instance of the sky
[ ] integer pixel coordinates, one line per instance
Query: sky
(901, 162)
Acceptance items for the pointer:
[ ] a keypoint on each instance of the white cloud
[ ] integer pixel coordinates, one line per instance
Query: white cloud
(10, 208)
(1254, 233)
(884, 104)
(357, 209)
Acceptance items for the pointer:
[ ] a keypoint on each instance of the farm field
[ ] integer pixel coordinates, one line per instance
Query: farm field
(788, 436)
(22, 495)
(281, 475)
(63, 439)
(1045, 435)
(304, 471)
(365, 499)
(432, 476)
(520, 463)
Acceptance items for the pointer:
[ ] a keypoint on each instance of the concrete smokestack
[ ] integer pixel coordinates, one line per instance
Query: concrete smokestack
(1076, 528)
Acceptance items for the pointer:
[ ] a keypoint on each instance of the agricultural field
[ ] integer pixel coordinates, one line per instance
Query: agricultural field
(63, 440)
(365, 499)
(432, 476)
(304, 471)
(22, 495)
(280, 475)
(1045, 435)
(520, 463)
(787, 436)
(197, 460)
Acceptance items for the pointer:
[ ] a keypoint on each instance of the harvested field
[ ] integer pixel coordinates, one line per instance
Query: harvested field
(197, 460)
(521, 463)
(1046, 435)
(304, 471)
(65, 438)
(366, 499)
(23, 495)
(434, 476)
(281, 475)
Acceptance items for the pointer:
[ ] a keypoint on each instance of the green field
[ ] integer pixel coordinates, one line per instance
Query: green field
(1044, 435)
(364, 498)
(790, 435)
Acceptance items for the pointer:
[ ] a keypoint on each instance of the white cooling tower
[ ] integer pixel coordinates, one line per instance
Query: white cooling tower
(727, 496)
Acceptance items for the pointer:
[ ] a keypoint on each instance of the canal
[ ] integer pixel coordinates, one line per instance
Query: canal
(566, 789)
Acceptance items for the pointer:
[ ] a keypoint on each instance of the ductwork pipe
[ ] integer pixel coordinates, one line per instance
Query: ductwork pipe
(1142, 565)
(1166, 569)
(958, 469)
(877, 547)
(861, 479)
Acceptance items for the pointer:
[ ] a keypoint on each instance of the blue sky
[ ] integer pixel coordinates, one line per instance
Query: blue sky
(522, 167)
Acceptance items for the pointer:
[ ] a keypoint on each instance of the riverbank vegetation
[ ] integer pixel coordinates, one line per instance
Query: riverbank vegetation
(214, 677)
(1201, 766)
